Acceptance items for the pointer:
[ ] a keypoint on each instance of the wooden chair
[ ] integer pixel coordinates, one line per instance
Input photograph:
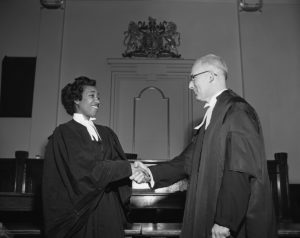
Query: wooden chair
(20, 201)
(278, 173)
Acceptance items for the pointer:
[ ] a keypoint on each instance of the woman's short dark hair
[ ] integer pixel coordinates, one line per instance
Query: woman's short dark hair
(73, 91)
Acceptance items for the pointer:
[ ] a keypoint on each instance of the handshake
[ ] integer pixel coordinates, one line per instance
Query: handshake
(140, 172)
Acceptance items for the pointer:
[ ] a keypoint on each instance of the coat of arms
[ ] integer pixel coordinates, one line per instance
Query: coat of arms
(152, 39)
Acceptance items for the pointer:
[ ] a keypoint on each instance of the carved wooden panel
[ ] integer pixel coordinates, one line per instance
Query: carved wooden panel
(151, 106)
(151, 124)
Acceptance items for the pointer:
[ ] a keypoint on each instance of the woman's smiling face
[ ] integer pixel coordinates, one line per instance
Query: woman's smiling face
(89, 104)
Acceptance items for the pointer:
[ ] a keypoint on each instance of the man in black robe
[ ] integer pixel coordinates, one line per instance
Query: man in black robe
(85, 179)
(229, 193)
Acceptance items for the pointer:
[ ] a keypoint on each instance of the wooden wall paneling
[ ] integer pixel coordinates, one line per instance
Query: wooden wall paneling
(150, 106)
(151, 124)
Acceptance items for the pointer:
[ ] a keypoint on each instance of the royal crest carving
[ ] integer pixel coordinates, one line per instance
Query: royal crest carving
(152, 39)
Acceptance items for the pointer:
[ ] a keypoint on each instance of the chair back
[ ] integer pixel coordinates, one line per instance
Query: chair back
(278, 173)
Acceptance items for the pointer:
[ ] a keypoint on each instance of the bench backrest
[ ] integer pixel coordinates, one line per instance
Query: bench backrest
(24, 176)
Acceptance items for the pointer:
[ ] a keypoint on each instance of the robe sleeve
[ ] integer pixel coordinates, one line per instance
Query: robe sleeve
(233, 200)
(80, 166)
(243, 160)
(124, 185)
(244, 144)
(172, 171)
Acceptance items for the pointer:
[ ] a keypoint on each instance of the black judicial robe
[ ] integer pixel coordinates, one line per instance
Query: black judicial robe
(233, 142)
(85, 184)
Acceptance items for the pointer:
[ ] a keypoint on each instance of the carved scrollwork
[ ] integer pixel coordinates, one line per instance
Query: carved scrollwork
(152, 39)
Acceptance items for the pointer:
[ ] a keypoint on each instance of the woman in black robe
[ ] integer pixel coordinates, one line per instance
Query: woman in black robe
(85, 179)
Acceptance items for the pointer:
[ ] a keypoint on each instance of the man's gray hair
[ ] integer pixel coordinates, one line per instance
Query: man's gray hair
(215, 61)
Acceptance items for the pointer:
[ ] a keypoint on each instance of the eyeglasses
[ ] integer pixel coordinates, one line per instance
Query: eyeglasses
(193, 76)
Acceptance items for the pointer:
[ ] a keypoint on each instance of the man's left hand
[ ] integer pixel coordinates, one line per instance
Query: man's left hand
(220, 231)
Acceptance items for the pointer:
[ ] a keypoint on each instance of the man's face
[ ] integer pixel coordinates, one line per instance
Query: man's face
(89, 104)
(200, 82)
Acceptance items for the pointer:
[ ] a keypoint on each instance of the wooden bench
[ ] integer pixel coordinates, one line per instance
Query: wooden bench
(152, 214)
(29, 230)
(20, 195)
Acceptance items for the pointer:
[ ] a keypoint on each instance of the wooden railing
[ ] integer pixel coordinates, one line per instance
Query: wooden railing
(152, 213)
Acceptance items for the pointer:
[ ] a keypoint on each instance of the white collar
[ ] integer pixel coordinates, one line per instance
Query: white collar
(92, 130)
(80, 118)
(211, 104)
